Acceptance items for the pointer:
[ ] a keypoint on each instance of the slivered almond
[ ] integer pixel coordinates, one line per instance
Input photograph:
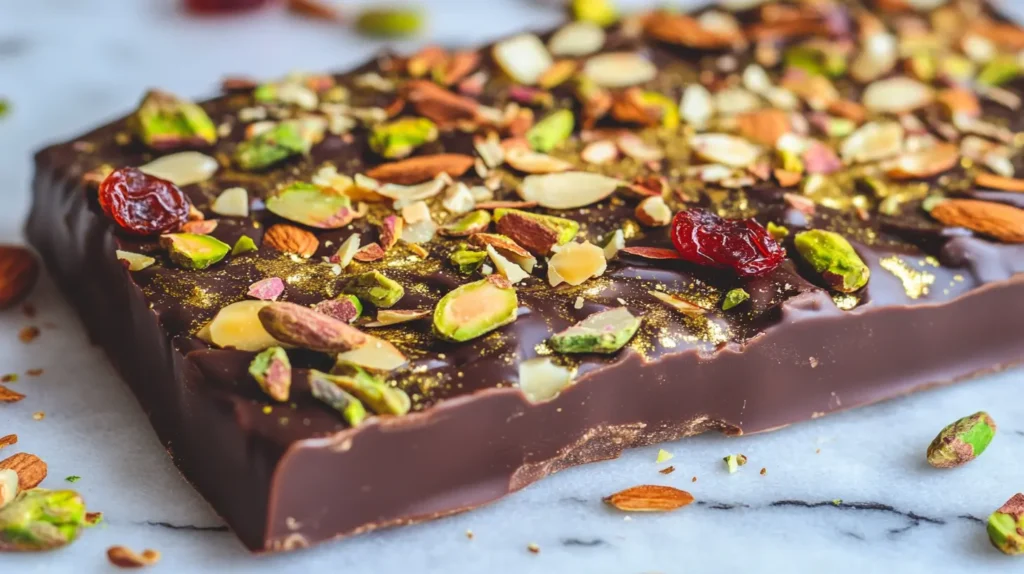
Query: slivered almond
(30, 468)
(506, 204)
(993, 181)
(649, 498)
(9, 396)
(600, 152)
(1003, 222)
(533, 162)
(684, 306)
(764, 126)
(8, 440)
(925, 163)
(652, 252)
(633, 146)
(422, 168)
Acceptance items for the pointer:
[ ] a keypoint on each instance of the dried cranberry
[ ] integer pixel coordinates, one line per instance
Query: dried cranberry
(143, 204)
(224, 6)
(742, 245)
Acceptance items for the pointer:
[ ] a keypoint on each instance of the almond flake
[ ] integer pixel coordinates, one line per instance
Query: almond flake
(575, 263)
(524, 58)
(580, 38)
(725, 149)
(897, 95)
(404, 195)
(614, 245)
(182, 168)
(653, 212)
(388, 317)
(542, 380)
(347, 251)
(697, 106)
(508, 269)
(652, 252)
(619, 69)
(872, 142)
(567, 190)
(600, 152)
(679, 304)
(490, 150)
(528, 161)
(635, 147)
(458, 199)
(649, 498)
(925, 163)
(8, 486)
(376, 354)
(732, 101)
(232, 202)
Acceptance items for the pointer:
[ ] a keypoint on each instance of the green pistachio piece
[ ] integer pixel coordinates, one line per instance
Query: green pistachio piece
(535, 232)
(40, 519)
(999, 71)
(475, 309)
(5, 107)
(733, 298)
(778, 232)
(390, 22)
(135, 261)
(817, 61)
(924, 66)
(164, 121)
(962, 441)
(356, 303)
(373, 391)
(473, 222)
(194, 251)
(733, 462)
(397, 139)
(312, 205)
(832, 256)
(957, 69)
(602, 332)
(551, 131)
(467, 261)
(1006, 526)
(374, 287)
(325, 389)
(839, 127)
(273, 371)
(270, 147)
(791, 161)
(345, 308)
(600, 12)
(669, 109)
(244, 244)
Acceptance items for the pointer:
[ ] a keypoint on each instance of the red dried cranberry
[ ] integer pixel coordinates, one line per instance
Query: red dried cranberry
(224, 6)
(742, 245)
(143, 204)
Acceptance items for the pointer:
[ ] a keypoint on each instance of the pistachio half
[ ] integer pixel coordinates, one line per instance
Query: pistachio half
(373, 286)
(832, 257)
(273, 372)
(475, 309)
(193, 251)
(603, 332)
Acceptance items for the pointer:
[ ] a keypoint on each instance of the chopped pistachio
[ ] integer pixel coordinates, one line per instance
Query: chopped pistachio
(778, 232)
(398, 139)
(600, 12)
(371, 390)
(273, 372)
(466, 260)
(832, 256)
(390, 22)
(135, 261)
(962, 441)
(733, 462)
(474, 309)
(164, 121)
(603, 332)
(374, 287)
(244, 244)
(733, 298)
(999, 71)
(473, 222)
(279, 143)
(551, 131)
(1006, 526)
(325, 389)
(312, 205)
(193, 251)
(40, 519)
(663, 456)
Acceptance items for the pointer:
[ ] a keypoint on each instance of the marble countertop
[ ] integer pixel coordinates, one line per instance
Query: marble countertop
(847, 493)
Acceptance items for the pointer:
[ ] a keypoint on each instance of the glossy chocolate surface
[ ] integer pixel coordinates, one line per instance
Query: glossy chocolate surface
(941, 305)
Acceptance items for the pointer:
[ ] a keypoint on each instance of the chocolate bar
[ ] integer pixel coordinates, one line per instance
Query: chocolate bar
(375, 298)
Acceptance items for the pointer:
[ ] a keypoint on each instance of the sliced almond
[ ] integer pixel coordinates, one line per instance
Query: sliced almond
(575, 263)
(898, 95)
(421, 168)
(925, 163)
(580, 38)
(567, 190)
(992, 181)
(506, 268)
(872, 142)
(376, 354)
(542, 380)
(697, 107)
(615, 244)
(736, 100)
(30, 468)
(490, 150)
(135, 261)
(635, 147)
(652, 252)
(649, 498)
(524, 58)
(679, 304)
(388, 317)
(528, 161)
(238, 326)
(347, 251)
(404, 195)
(182, 168)
(1003, 222)
(600, 152)
(725, 149)
(653, 212)
(232, 202)
(619, 69)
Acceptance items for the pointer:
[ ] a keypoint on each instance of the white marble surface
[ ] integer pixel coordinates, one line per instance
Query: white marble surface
(68, 65)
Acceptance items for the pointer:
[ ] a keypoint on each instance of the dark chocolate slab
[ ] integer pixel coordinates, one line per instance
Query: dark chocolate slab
(941, 306)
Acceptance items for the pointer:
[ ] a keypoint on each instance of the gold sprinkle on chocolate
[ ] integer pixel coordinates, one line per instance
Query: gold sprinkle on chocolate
(916, 283)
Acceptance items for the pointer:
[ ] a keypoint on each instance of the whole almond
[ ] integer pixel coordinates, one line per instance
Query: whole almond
(30, 468)
(650, 498)
(19, 270)
(421, 168)
(1003, 222)
(291, 239)
(993, 181)
(438, 104)
(763, 126)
